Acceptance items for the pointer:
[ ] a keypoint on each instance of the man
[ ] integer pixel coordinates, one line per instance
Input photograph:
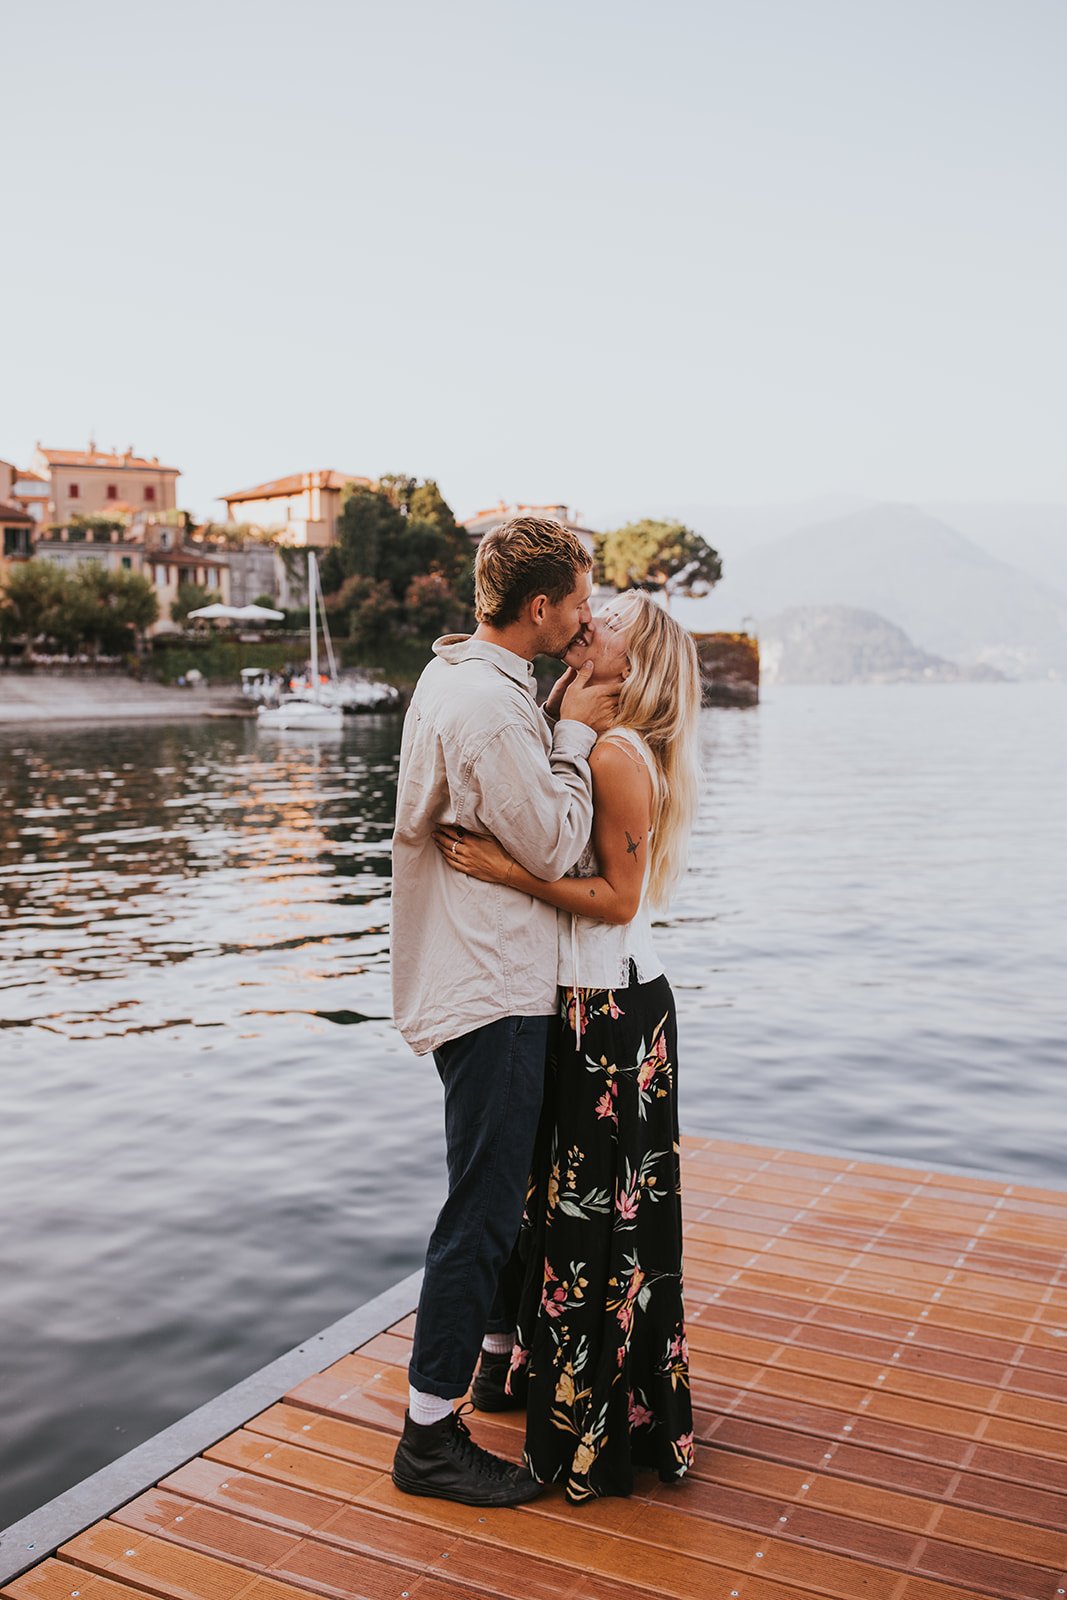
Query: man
(474, 964)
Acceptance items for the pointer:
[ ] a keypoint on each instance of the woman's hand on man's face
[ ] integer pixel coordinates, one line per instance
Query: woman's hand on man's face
(476, 855)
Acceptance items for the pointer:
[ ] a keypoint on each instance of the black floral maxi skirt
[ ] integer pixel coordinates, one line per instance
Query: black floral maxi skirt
(601, 1325)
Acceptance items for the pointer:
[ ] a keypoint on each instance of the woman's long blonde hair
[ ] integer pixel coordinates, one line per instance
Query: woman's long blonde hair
(660, 700)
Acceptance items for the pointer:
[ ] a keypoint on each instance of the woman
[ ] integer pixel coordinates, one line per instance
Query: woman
(601, 1331)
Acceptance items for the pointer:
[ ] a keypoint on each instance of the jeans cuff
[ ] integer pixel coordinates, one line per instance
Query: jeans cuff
(443, 1390)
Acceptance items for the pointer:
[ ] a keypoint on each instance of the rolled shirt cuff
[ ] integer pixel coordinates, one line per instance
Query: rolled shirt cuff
(572, 738)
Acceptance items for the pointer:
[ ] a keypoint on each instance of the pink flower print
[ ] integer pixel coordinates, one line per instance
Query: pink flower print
(626, 1204)
(646, 1072)
(605, 1106)
(574, 1000)
(614, 1011)
(624, 1317)
(551, 1298)
(519, 1358)
(679, 1350)
(683, 1449)
(635, 1284)
(640, 1416)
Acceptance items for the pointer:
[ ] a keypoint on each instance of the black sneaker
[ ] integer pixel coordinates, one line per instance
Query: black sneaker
(441, 1459)
(489, 1393)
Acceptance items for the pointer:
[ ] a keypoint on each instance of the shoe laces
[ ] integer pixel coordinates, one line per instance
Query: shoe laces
(484, 1463)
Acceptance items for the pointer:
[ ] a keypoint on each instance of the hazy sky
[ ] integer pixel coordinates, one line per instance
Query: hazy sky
(615, 254)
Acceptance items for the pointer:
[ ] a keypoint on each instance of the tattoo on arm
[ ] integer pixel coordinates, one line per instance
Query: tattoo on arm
(631, 844)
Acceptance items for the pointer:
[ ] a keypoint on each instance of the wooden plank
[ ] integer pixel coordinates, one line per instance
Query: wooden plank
(880, 1392)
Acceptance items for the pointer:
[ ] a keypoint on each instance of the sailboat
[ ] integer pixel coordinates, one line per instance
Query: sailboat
(309, 710)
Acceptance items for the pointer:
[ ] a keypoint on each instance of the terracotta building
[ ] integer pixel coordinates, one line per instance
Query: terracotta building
(95, 483)
(16, 524)
(302, 509)
(483, 522)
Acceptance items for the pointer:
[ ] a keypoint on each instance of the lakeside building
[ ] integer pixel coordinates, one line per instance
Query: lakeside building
(484, 522)
(94, 483)
(16, 523)
(155, 550)
(32, 492)
(302, 509)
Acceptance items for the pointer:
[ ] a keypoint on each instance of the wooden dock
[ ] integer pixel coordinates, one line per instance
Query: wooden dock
(879, 1365)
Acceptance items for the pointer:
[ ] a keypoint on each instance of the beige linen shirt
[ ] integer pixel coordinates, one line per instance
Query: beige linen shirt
(477, 751)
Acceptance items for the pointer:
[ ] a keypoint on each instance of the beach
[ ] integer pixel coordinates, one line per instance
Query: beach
(30, 699)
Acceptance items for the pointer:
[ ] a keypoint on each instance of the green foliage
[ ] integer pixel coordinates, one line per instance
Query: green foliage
(91, 606)
(30, 600)
(220, 659)
(190, 597)
(110, 610)
(656, 553)
(96, 526)
(391, 538)
(431, 607)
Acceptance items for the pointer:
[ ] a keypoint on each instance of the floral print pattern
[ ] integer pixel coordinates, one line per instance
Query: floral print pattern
(601, 1332)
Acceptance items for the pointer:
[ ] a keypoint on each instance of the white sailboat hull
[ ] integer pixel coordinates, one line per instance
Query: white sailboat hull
(300, 714)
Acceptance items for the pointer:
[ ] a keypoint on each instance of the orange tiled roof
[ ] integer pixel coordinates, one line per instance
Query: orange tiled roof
(10, 513)
(296, 482)
(27, 475)
(101, 458)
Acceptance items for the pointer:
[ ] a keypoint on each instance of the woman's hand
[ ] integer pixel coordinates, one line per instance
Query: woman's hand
(476, 855)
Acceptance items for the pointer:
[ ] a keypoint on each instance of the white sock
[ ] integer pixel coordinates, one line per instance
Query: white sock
(499, 1344)
(426, 1408)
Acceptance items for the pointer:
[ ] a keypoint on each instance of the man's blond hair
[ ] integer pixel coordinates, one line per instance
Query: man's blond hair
(524, 557)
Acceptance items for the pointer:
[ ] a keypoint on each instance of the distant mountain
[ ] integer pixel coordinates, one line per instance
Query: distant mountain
(949, 595)
(1031, 537)
(839, 644)
(735, 529)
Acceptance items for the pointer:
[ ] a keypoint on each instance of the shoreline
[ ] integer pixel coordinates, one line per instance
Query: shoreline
(28, 700)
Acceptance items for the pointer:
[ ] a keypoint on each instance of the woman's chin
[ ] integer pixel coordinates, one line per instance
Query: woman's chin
(578, 655)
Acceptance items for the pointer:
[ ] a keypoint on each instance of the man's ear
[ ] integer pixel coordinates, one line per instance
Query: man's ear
(538, 607)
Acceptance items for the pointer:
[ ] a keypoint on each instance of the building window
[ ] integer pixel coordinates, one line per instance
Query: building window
(112, 492)
(149, 494)
(72, 492)
(161, 577)
(127, 562)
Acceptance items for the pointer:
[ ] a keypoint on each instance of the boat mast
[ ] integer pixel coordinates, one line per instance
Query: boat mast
(312, 575)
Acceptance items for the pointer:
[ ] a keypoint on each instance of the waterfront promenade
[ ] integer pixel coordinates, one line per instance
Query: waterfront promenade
(29, 699)
(879, 1366)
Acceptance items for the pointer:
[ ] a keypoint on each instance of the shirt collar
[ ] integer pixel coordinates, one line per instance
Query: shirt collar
(455, 647)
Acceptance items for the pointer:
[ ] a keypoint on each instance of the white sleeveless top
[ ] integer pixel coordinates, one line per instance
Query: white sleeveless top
(597, 955)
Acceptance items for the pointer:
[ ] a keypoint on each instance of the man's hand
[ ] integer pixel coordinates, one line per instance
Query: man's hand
(558, 690)
(595, 704)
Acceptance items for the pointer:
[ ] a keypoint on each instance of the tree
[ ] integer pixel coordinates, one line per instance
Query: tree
(190, 597)
(368, 524)
(657, 554)
(31, 599)
(431, 607)
(374, 613)
(111, 609)
(394, 534)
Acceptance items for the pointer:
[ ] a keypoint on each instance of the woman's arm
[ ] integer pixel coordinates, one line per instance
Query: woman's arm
(622, 804)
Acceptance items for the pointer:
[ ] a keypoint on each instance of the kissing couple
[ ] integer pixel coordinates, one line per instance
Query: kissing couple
(531, 845)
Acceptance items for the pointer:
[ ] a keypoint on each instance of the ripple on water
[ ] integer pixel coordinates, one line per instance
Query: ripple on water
(214, 1141)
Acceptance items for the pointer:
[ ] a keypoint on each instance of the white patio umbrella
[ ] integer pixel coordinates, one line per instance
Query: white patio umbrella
(218, 611)
(253, 613)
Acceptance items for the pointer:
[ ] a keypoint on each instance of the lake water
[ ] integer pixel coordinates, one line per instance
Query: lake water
(212, 1141)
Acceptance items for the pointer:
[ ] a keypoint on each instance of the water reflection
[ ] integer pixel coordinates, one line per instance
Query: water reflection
(213, 1141)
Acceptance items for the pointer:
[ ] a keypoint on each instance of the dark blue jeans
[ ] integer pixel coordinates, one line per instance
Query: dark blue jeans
(494, 1081)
